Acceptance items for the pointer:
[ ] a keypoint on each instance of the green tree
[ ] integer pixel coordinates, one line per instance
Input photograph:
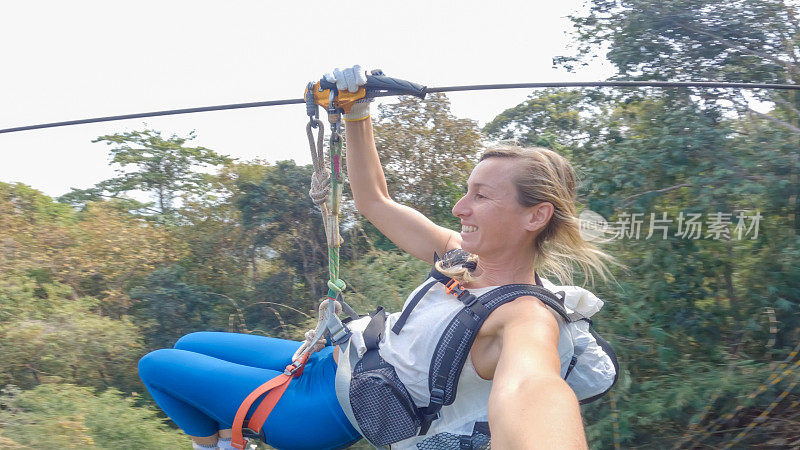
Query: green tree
(686, 307)
(169, 308)
(427, 154)
(550, 118)
(98, 252)
(383, 278)
(68, 416)
(149, 162)
(740, 41)
(49, 335)
(283, 224)
(748, 160)
(219, 247)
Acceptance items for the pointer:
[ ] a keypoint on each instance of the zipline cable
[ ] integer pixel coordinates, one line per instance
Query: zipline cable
(476, 87)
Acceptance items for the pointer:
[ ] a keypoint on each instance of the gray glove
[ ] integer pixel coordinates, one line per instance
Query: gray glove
(351, 79)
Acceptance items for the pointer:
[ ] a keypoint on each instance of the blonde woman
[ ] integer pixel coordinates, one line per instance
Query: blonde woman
(518, 218)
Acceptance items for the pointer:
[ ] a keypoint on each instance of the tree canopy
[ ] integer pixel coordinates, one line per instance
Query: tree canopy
(699, 190)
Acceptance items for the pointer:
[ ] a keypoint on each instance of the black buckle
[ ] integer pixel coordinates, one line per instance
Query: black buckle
(341, 336)
(431, 413)
(437, 397)
(251, 434)
(469, 299)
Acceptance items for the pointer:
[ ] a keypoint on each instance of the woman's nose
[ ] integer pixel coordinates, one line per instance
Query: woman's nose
(460, 208)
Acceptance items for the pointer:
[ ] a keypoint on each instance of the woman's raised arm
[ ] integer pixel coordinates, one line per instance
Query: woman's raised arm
(406, 227)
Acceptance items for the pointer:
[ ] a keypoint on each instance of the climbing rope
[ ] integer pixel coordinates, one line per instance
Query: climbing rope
(326, 192)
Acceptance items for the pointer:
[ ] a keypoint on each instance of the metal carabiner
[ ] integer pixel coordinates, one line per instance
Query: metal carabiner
(312, 109)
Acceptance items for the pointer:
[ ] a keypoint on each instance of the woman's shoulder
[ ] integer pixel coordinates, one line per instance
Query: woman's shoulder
(527, 311)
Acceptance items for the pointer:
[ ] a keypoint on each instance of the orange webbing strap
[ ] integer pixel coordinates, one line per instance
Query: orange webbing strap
(274, 389)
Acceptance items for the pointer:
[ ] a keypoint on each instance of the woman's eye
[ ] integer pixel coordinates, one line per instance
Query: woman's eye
(479, 196)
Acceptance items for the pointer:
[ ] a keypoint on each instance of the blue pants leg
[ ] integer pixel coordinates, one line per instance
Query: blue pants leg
(200, 384)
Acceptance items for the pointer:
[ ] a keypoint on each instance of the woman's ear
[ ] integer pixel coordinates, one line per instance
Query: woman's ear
(540, 215)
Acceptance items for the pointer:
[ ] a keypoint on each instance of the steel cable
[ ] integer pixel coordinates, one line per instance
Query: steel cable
(476, 87)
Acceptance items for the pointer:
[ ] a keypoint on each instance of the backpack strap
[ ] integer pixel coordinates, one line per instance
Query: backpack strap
(435, 274)
(453, 347)
(410, 307)
(374, 330)
(457, 256)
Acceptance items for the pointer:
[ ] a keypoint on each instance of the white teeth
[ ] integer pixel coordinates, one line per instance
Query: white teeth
(468, 229)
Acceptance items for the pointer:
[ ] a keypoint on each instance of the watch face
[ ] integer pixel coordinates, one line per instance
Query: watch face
(455, 257)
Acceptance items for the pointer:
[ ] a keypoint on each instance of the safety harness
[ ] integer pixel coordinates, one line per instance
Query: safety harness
(329, 326)
(325, 94)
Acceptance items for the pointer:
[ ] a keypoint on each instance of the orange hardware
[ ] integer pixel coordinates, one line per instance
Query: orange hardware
(344, 100)
(451, 286)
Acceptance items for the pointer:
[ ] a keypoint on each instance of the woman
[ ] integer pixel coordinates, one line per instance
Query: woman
(517, 216)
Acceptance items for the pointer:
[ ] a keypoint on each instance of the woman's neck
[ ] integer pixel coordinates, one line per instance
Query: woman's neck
(502, 271)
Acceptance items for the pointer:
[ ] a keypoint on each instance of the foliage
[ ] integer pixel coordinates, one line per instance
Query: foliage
(283, 223)
(383, 278)
(687, 307)
(699, 324)
(426, 153)
(220, 253)
(50, 336)
(97, 252)
(163, 167)
(548, 119)
(739, 41)
(68, 416)
(754, 40)
(169, 308)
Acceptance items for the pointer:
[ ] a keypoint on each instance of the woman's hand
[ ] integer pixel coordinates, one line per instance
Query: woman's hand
(351, 80)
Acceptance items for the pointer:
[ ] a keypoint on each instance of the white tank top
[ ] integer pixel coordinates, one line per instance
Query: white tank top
(411, 350)
(410, 353)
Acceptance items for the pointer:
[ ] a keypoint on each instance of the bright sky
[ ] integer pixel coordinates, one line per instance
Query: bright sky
(73, 60)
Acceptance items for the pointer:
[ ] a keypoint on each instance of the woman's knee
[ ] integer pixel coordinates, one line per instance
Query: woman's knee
(189, 341)
(152, 363)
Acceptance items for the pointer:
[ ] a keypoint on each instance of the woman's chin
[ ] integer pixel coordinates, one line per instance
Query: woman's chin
(467, 247)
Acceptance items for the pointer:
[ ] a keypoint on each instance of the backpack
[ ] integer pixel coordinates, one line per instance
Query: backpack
(378, 405)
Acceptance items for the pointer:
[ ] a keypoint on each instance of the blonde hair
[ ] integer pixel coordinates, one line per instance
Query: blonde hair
(546, 176)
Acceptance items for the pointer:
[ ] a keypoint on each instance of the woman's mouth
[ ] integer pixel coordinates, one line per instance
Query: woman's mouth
(468, 228)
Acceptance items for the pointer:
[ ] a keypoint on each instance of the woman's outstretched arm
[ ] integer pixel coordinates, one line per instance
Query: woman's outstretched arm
(530, 405)
(406, 227)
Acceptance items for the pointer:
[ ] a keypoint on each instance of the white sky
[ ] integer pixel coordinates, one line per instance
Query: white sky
(79, 59)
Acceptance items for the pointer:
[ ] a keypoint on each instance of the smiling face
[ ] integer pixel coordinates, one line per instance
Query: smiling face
(493, 221)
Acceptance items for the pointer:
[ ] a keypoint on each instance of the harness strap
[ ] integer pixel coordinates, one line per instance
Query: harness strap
(453, 347)
(401, 321)
(375, 328)
(273, 389)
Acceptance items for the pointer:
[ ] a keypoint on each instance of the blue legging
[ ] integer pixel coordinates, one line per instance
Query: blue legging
(200, 383)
